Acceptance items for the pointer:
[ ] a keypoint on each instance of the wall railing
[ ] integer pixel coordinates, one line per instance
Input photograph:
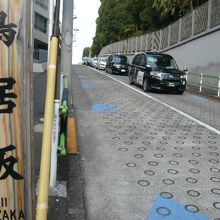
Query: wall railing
(200, 21)
(204, 81)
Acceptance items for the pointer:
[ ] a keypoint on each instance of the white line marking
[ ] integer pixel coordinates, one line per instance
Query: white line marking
(163, 103)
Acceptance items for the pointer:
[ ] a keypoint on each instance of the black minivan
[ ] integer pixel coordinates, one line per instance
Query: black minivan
(157, 71)
(117, 64)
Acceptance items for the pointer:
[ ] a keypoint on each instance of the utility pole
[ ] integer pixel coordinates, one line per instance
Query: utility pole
(67, 34)
(51, 14)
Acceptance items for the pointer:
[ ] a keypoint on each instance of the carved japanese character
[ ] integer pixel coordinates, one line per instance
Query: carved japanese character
(8, 105)
(7, 33)
(8, 163)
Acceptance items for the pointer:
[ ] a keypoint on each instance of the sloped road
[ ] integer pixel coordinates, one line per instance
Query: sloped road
(146, 156)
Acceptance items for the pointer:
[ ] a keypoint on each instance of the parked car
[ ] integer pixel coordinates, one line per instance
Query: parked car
(117, 64)
(158, 71)
(94, 62)
(101, 64)
(85, 60)
(89, 61)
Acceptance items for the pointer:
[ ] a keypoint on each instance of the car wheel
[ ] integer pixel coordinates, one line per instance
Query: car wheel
(146, 87)
(180, 92)
(130, 80)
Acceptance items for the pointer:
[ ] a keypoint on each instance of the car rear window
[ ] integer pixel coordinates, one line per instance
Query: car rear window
(120, 59)
(161, 61)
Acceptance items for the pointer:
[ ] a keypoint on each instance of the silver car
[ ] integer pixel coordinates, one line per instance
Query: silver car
(101, 64)
(94, 62)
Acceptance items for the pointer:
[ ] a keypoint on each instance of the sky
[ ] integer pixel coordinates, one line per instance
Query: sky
(86, 12)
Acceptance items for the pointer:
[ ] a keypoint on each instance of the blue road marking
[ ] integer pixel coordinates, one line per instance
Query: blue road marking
(199, 98)
(169, 209)
(88, 86)
(82, 77)
(103, 107)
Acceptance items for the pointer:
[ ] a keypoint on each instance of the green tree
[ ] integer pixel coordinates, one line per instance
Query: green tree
(150, 17)
(174, 9)
(121, 19)
(86, 52)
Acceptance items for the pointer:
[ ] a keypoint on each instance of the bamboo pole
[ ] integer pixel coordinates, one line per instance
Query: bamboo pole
(42, 202)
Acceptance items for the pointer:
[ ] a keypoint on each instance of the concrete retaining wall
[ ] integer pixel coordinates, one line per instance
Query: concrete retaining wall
(201, 55)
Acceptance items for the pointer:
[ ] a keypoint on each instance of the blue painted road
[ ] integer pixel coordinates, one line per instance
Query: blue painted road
(169, 209)
(104, 107)
(88, 86)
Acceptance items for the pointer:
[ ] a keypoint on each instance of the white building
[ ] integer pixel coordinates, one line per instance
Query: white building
(41, 29)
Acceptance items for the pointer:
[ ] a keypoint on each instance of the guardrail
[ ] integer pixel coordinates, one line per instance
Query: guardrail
(204, 81)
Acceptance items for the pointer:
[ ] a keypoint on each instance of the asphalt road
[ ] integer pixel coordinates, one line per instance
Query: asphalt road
(145, 155)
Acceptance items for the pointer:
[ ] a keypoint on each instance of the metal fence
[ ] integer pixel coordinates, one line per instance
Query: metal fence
(215, 15)
(201, 20)
(205, 82)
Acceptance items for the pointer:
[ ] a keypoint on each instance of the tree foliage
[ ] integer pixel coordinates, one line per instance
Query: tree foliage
(120, 19)
(86, 52)
(174, 9)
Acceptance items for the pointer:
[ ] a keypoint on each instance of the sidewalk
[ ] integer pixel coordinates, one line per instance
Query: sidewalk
(138, 159)
(67, 203)
(141, 159)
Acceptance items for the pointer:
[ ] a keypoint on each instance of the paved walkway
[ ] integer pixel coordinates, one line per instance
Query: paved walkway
(142, 160)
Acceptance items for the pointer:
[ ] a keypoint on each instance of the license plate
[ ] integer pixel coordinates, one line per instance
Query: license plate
(122, 70)
(171, 84)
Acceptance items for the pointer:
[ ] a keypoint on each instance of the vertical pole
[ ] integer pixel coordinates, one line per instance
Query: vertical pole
(169, 36)
(42, 201)
(180, 30)
(61, 84)
(219, 86)
(55, 137)
(160, 40)
(44, 177)
(28, 111)
(200, 82)
(209, 14)
(67, 33)
(187, 72)
(152, 42)
(51, 11)
(193, 23)
(153, 38)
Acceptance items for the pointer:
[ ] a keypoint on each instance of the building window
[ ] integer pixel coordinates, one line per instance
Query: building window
(42, 3)
(40, 23)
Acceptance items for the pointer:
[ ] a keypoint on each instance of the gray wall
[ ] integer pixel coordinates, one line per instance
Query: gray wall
(201, 55)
